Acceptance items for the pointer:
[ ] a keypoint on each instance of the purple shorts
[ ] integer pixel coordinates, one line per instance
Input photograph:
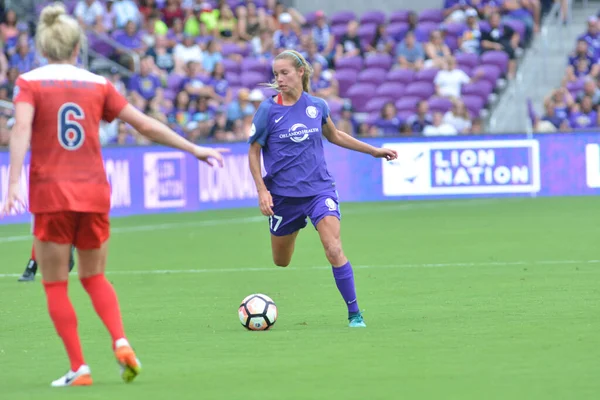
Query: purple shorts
(291, 213)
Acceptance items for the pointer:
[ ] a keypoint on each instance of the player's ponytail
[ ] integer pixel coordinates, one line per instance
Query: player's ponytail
(298, 61)
(57, 33)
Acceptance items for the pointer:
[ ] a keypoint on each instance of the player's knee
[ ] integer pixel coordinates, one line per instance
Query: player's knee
(334, 253)
(281, 261)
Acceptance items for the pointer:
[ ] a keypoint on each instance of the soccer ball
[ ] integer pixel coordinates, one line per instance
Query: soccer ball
(257, 312)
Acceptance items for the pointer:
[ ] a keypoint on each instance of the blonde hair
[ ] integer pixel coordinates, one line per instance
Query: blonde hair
(58, 34)
(298, 61)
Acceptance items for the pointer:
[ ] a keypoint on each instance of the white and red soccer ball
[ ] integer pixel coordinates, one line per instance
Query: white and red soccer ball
(257, 312)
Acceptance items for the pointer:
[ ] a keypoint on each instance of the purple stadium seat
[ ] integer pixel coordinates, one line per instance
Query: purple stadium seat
(431, 15)
(391, 89)
(407, 103)
(423, 30)
(482, 88)
(367, 32)
(397, 30)
(426, 75)
(345, 78)
(399, 16)
(372, 17)
(423, 90)
(498, 58)
(474, 104)
(491, 73)
(359, 94)
(404, 115)
(400, 75)
(468, 59)
(375, 76)
(384, 61)
(376, 104)
(335, 106)
(231, 65)
(451, 42)
(440, 104)
(100, 46)
(234, 91)
(454, 29)
(228, 49)
(355, 63)
(175, 81)
(233, 78)
(342, 17)
(467, 69)
(338, 31)
(256, 65)
(251, 79)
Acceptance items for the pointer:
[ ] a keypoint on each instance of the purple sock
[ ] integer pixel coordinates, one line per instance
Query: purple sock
(344, 279)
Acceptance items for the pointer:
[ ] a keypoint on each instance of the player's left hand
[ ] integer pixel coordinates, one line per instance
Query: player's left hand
(13, 199)
(388, 154)
(209, 155)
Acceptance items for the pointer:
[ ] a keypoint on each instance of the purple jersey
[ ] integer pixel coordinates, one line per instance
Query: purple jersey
(292, 146)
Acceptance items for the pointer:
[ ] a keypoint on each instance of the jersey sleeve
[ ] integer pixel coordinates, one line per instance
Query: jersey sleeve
(259, 130)
(23, 92)
(322, 104)
(114, 103)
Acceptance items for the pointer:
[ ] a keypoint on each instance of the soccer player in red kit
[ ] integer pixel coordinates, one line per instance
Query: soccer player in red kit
(58, 109)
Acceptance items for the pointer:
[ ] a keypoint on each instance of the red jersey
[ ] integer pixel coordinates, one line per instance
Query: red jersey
(67, 170)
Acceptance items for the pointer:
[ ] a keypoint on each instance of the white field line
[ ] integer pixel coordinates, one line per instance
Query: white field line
(321, 267)
(245, 220)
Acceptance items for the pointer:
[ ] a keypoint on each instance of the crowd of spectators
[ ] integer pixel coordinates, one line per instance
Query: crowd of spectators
(202, 62)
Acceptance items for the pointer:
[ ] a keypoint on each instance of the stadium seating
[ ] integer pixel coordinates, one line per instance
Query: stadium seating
(366, 82)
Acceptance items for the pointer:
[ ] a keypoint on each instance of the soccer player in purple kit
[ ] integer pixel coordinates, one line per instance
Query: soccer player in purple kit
(288, 129)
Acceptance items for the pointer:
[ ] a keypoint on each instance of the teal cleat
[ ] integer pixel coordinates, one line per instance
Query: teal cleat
(356, 320)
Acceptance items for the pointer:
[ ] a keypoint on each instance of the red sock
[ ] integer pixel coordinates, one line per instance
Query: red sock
(65, 320)
(33, 253)
(106, 304)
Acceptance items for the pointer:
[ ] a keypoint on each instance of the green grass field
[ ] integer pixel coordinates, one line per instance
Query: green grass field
(480, 299)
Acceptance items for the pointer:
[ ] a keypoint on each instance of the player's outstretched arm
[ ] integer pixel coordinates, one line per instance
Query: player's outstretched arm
(20, 137)
(342, 139)
(162, 134)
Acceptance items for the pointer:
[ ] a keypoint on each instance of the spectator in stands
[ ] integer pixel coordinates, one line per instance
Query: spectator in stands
(131, 40)
(313, 56)
(180, 115)
(349, 45)
(476, 127)
(421, 119)
(256, 97)
(346, 122)
(202, 119)
(3, 64)
(436, 51)
(583, 116)
(146, 7)
(11, 79)
(550, 117)
(501, 38)
(239, 111)
(591, 89)
(560, 100)
(592, 36)
(4, 131)
(449, 81)
(211, 56)
(187, 51)
(438, 127)
(227, 25)
(24, 58)
(143, 86)
(381, 43)
(219, 130)
(220, 85)
(410, 53)
(250, 21)
(323, 84)
(388, 122)
(525, 11)
(458, 117)
(581, 63)
(8, 29)
(412, 20)
(454, 10)
(263, 46)
(109, 19)
(89, 12)
(470, 39)
(196, 81)
(285, 37)
(171, 11)
(321, 34)
(125, 11)
(162, 54)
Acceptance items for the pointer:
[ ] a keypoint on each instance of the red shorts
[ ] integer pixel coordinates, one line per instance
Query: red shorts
(86, 231)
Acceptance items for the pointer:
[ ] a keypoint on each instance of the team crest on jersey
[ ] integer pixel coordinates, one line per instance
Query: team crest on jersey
(331, 204)
(311, 111)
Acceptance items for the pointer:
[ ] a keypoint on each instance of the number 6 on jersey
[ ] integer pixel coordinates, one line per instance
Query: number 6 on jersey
(70, 132)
